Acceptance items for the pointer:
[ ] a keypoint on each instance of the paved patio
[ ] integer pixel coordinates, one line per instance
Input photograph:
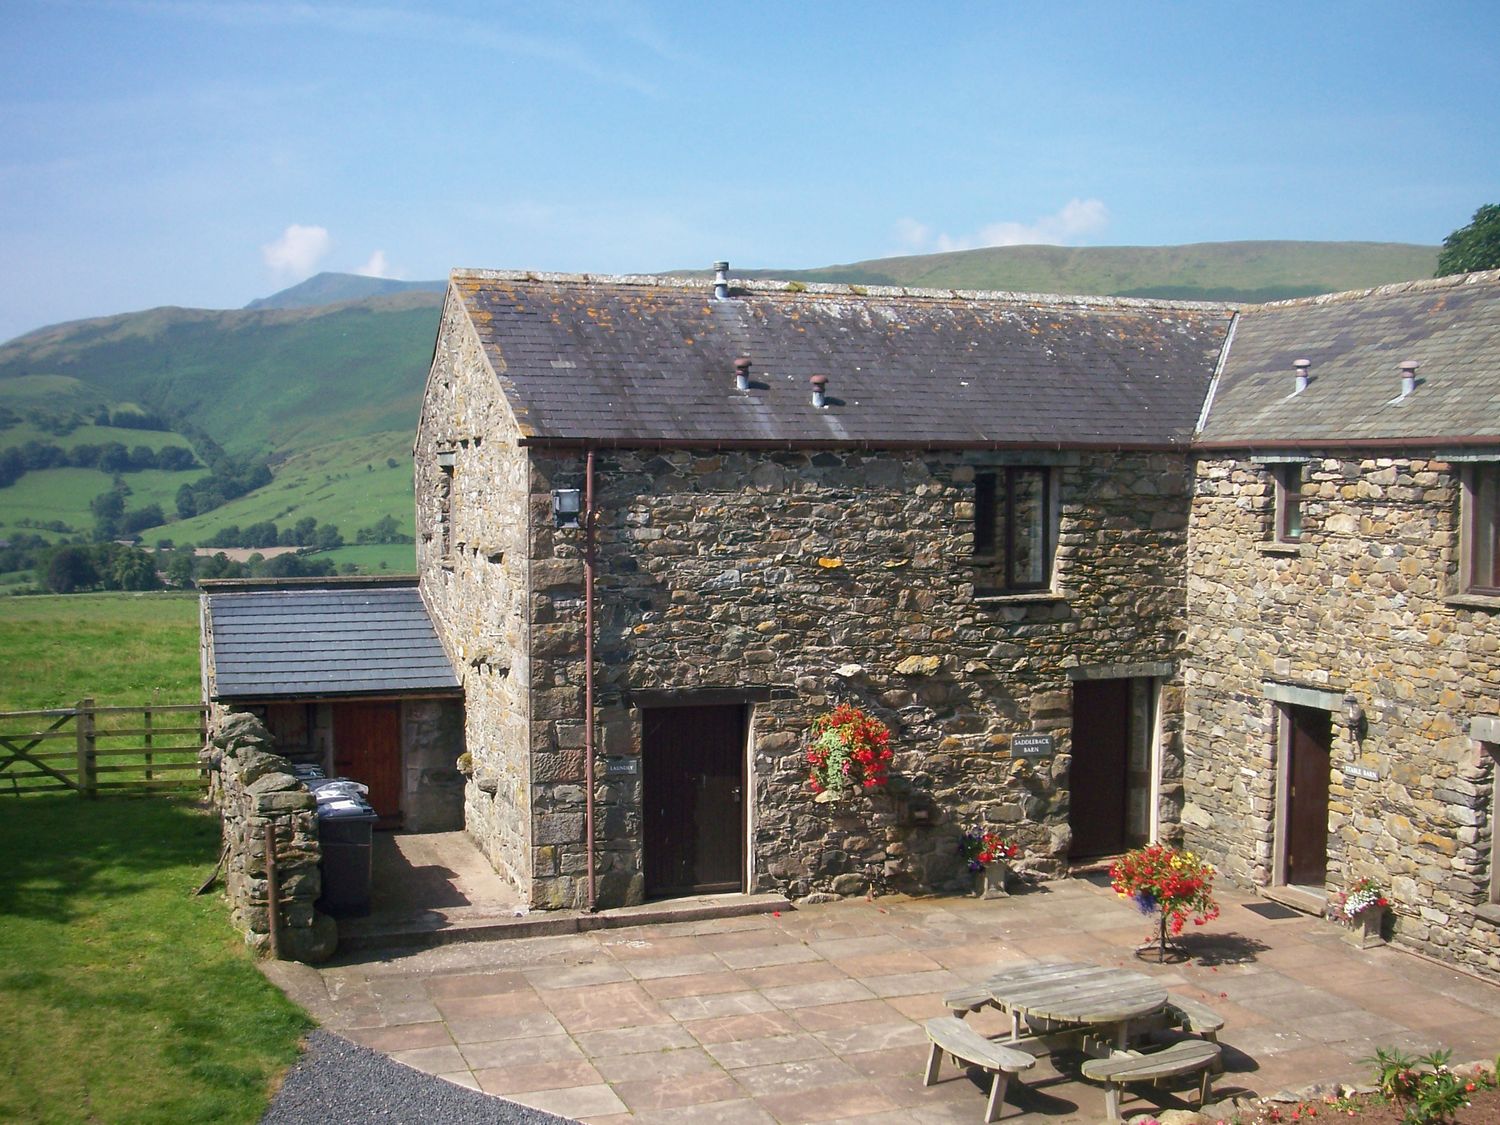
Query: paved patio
(815, 1014)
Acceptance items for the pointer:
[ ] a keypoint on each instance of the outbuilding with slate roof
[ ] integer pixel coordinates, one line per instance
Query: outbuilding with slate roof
(347, 674)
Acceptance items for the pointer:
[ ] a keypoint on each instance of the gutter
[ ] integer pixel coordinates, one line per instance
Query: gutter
(860, 444)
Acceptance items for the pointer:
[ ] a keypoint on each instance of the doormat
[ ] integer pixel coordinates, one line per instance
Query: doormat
(1272, 910)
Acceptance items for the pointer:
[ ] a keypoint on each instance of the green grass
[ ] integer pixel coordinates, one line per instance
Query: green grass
(116, 648)
(345, 483)
(398, 558)
(123, 998)
(19, 434)
(55, 494)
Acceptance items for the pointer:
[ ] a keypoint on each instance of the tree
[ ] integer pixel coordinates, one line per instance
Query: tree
(70, 569)
(1474, 247)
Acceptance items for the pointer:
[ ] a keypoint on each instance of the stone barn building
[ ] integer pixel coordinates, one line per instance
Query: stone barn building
(1343, 659)
(965, 513)
(1106, 573)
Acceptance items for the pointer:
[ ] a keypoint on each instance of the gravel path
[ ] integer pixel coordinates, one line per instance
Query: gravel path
(337, 1081)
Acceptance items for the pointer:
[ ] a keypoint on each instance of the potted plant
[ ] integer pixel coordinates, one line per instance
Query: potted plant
(988, 855)
(1361, 911)
(1174, 884)
(849, 752)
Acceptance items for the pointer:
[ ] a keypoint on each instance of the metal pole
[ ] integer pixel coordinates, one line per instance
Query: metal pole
(273, 892)
(588, 674)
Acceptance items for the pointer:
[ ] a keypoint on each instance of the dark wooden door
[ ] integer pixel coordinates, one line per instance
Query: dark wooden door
(1307, 798)
(692, 791)
(1098, 776)
(367, 748)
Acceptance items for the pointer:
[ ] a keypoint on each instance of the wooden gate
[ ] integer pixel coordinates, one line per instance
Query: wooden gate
(91, 750)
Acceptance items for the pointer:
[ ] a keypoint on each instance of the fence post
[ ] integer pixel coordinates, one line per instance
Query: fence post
(147, 729)
(88, 778)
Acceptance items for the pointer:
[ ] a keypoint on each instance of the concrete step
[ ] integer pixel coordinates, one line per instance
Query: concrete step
(434, 928)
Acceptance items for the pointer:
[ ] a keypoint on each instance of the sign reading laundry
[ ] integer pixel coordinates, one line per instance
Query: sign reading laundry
(1032, 746)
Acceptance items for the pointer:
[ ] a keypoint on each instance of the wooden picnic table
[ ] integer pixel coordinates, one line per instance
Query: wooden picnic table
(1077, 996)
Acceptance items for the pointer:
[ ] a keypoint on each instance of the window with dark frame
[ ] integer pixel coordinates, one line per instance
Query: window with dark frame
(1013, 527)
(1288, 487)
(1482, 530)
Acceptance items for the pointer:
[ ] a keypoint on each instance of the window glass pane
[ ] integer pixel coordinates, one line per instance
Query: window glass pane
(1029, 557)
(1486, 528)
(1289, 502)
(984, 514)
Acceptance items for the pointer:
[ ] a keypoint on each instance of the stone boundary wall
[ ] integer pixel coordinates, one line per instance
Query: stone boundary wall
(253, 789)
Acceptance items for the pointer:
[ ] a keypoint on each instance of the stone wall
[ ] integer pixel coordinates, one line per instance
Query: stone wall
(253, 790)
(472, 553)
(432, 738)
(807, 579)
(1360, 606)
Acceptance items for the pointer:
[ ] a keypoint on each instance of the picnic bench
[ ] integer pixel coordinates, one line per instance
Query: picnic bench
(1184, 1057)
(950, 1035)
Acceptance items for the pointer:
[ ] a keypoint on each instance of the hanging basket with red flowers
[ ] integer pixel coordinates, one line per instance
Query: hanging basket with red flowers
(1168, 882)
(848, 752)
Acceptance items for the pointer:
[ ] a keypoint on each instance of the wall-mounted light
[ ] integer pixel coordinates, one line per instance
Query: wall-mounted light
(566, 504)
(1354, 717)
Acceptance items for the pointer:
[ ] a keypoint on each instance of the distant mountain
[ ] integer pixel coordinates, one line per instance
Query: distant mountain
(1248, 272)
(331, 288)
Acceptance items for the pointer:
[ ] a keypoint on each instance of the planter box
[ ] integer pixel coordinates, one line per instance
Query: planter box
(1365, 932)
(991, 881)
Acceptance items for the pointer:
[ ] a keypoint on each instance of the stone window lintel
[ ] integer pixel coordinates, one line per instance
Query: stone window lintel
(1031, 597)
(1289, 549)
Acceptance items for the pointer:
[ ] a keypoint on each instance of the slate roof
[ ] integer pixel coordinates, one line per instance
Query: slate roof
(1356, 342)
(651, 360)
(333, 639)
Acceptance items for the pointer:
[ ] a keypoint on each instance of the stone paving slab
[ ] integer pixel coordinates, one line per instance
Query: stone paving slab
(815, 1015)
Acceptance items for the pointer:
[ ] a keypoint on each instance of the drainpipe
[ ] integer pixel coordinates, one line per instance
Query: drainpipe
(588, 672)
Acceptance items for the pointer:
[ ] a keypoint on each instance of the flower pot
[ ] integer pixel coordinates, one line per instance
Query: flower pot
(990, 881)
(1364, 931)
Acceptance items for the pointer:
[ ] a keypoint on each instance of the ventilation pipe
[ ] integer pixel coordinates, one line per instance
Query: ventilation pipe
(721, 281)
(1408, 377)
(1301, 365)
(819, 386)
(742, 373)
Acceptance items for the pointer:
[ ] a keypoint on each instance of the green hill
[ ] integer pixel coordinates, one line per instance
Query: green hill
(1250, 272)
(328, 393)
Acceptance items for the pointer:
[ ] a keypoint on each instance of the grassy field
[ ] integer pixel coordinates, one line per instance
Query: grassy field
(380, 558)
(64, 494)
(90, 434)
(117, 648)
(123, 998)
(347, 483)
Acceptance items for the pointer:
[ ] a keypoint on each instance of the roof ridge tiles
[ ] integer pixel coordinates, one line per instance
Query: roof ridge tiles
(795, 289)
(1395, 288)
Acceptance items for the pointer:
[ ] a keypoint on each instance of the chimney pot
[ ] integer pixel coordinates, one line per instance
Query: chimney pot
(721, 281)
(819, 386)
(1301, 365)
(1408, 376)
(742, 373)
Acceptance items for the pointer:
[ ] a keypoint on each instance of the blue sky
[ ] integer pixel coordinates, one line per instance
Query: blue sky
(206, 152)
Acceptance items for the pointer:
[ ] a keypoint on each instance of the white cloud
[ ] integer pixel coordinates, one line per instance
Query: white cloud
(298, 251)
(1075, 219)
(377, 266)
